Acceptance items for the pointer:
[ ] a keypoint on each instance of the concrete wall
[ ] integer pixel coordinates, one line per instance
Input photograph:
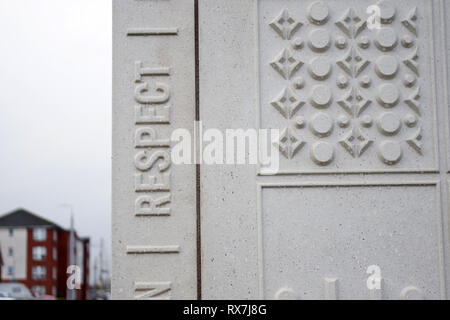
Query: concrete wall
(153, 201)
(359, 208)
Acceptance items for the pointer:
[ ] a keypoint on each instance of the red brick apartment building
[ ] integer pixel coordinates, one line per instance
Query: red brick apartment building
(1, 263)
(35, 252)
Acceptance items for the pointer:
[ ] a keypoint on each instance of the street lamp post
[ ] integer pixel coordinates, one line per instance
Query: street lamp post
(70, 295)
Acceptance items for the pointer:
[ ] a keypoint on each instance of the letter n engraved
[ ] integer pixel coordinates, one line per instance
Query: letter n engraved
(152, 290)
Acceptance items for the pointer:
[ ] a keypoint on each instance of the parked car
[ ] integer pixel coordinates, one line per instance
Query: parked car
(15, 290)
(43, 296)
(5, 296)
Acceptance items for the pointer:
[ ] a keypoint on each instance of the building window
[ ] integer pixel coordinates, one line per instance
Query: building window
(10, 271)
(55, 254)
(54, 291)
(16, 289)
(38, 273)
(11, 232)
(38, 289)
(10, 251)
(39, 253)
(39, 234)
(55, 236)
(54, 273)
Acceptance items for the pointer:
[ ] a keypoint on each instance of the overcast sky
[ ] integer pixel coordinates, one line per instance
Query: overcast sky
(55, 111)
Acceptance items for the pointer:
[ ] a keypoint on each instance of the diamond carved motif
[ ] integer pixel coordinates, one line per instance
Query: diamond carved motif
(343, 88)
(353, 63)
(289, 144)
(351, 24)
(287, 103)
(286, 64)
(285, 25)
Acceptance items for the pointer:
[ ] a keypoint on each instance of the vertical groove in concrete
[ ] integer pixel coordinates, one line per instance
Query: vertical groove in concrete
(438, 48)
(197, 166)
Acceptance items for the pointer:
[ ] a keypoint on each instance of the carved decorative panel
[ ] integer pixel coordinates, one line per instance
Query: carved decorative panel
(361, 105)
(361, 112)
(347, 96)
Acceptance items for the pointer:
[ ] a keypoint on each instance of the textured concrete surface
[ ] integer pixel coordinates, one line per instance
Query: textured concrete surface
(153, 201)
(363, 174)
(359, 208)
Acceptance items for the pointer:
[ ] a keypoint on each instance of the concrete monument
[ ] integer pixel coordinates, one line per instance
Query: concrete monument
(359, 207)
(153, 221)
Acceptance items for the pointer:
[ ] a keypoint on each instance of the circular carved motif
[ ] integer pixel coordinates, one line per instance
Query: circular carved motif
(407, 41)
(366, 121)
(300, 122)
(320, 96)
(319, 68)
(341, 43)
(285, 294)
(297, 43)
(322, 153)
(409, 80)
(390, 152)
(389, 123)
(321, 124)
(386, 66)
(342, 81)
(387, 11)
(343, 121)
(365, 81)
(319, 40)
(411, 293)
(386, 39)
(364, 42)
(388, 95)
(318, 12)
(299, 83)
(410, 120)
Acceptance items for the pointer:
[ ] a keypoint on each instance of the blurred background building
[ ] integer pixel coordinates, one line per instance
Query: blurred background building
(37, 252)
(1, 263)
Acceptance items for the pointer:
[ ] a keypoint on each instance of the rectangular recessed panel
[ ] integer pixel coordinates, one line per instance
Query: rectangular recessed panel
(348, 92)
(319, 241)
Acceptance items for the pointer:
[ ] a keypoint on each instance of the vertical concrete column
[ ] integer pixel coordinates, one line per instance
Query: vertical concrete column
(358, 89)
(153, 201)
